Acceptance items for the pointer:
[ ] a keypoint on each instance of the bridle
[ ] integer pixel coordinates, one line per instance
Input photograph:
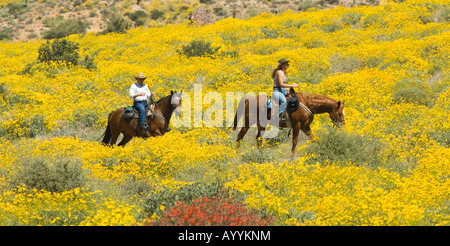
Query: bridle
(311, 113)
(337, 120)
(163, 117)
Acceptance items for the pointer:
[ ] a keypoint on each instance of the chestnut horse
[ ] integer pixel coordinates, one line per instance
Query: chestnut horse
(130, 128)
(300, 119)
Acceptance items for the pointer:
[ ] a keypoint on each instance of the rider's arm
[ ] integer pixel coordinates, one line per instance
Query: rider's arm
(132, 91)
(280, 81)
(147, 92)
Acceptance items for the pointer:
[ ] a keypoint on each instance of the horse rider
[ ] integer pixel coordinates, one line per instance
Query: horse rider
(140, 93)
(279, 84)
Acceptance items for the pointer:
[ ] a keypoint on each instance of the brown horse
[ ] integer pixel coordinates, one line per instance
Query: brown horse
(130, 128)
(299, 119)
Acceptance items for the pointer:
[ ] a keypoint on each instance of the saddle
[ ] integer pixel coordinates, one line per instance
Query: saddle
(131, 112)
(292, 103)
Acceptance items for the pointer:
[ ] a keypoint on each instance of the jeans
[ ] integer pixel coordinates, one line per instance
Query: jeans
(278, 94)
(140, 106)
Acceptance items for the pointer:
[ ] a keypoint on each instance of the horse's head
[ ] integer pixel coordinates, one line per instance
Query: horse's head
(176, 102)
(337, 114)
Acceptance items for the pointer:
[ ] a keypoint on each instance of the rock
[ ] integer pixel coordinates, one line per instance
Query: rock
(201, 16)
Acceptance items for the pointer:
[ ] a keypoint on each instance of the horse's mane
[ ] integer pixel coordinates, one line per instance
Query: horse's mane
(162, 99)
(319, 98)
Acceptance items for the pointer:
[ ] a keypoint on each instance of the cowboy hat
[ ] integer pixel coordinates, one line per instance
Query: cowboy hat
(140, 76)
(282, 61)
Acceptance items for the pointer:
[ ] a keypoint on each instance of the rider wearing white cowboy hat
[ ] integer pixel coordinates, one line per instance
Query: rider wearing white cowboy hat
(140, 93)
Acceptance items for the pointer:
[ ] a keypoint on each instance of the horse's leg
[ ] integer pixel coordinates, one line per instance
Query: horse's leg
(156, 133)
(115, 132)
(241, 135)
(126, 139)
(114, 137)
(296, 129)
(308, 132)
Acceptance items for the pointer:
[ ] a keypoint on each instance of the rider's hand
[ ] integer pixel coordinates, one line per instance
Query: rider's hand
(295, 86)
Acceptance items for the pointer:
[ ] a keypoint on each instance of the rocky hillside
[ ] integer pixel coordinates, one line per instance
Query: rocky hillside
(21, 20)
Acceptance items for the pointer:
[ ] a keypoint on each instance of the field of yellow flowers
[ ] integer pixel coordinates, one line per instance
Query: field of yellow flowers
(390, 165)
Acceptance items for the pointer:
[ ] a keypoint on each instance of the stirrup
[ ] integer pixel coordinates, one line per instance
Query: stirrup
(145, 128)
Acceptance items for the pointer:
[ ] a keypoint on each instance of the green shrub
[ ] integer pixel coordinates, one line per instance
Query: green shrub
(6, 33)
(332, 27)
(372, 19)
(88, 62)
(258, 155)
(270, 33)
(117, 24)
(156, 14)
(25, 127)
(303, 6)
(252, 12)
(4, 90)
(220, 11)
(199, 48)
(60, 50)
(16, 9)
(52, 175)
(442, 137)
(411, 95)
(344, 64)
(444, 13)
(352, 18)
(77, 3)
(332, 1)
(86, 118)
(336, 146)
(60, 28)
(410, 91)
(35, 125)
(138, 17)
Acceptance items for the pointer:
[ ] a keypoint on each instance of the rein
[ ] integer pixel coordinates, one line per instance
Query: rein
(160, 116)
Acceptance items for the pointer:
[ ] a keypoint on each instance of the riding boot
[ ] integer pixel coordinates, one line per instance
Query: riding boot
(282, 120)
(145, 129)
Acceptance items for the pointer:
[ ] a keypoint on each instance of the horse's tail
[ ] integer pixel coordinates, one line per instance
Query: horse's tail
(239, 112)
(235, 121)
(107, 134)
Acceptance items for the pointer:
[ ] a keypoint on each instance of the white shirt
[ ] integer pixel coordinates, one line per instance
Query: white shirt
(137, 88)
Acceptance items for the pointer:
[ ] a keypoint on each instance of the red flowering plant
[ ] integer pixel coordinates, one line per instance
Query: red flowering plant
(213, 211)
